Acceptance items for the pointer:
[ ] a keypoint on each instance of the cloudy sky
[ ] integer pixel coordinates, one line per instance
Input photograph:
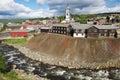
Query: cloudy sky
(48, 8)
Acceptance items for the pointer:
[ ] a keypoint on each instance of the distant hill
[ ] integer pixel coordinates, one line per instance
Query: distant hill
(11, 20)
(106, 14)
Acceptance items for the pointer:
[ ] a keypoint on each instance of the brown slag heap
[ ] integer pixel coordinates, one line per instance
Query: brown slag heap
(78, 52)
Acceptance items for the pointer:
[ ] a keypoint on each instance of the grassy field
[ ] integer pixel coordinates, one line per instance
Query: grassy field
(20, 41)
(11, 76)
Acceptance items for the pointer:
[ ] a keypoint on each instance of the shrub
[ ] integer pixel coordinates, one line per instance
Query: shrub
(3, 63)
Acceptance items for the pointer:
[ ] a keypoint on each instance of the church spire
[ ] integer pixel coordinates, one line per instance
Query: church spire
(67, 18)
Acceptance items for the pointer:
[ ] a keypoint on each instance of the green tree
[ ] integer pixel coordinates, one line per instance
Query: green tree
(61, 18)
(3, 63)
(4, 27)
(84, 17)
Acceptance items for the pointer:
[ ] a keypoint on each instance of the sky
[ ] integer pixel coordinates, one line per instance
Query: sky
(50, 8)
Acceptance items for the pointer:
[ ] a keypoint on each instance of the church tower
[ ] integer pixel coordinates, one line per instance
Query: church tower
(68, 18)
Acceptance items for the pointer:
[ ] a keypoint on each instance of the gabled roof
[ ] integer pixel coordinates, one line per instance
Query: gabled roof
(77, 25)
(19, 31)
(14, 26)
(106, 26)
(61, 25)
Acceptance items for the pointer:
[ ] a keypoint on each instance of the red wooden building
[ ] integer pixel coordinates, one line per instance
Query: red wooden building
(18, 33)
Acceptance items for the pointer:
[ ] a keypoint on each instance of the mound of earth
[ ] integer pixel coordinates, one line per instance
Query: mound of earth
(90, 52)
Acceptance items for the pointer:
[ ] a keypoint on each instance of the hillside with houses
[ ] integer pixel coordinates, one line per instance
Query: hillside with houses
(74, 25)
(101, 26)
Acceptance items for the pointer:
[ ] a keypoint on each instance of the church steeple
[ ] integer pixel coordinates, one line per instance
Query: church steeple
(67, 18)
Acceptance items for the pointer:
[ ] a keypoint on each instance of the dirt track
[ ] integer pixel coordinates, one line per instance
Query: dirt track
(87, 53)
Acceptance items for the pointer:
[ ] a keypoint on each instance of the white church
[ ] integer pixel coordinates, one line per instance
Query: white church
(68, 17)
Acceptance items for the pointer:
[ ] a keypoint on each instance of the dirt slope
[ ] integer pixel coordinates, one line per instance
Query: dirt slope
(81, 51)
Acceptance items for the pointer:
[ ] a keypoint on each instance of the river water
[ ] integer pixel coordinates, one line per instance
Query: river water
(52, 72)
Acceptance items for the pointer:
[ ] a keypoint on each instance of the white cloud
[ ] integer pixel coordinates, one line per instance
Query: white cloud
(101, 9)
(74, 4)
(11, 9)
(40, 2)
(36, 14)
(79, 6)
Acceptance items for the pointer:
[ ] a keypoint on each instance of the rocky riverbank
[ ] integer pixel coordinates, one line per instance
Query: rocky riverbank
(92, 53)
(35, 69)
(18, 62)
(65, 63)
(30, 76)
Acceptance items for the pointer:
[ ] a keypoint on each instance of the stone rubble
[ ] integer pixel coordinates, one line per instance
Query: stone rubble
(39, 56)
(29, 76)
(33, 69)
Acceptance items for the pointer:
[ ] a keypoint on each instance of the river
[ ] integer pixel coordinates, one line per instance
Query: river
(52, 72)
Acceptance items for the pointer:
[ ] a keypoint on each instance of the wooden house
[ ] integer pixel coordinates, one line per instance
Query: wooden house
(60, 28)
(102, 31)
(84, 30)
(79, 29)
(94, 30)
(45, 29)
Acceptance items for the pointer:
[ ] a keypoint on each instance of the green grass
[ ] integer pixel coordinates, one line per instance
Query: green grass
(11, 76)
(4, 75)
(15, 41)
(3, 63)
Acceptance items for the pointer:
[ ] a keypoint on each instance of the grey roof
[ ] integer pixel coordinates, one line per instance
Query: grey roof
(15, 26)
(61, 25)
(80, 26)
(4, 34)
(106, 26)
(77, 25)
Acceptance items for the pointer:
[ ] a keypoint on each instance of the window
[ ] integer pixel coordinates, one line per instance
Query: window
(106, 30)
(64, 28)
(112, 34)
(95, 30)
(113, 30)
(102, 34)
(101, 30)
(53, 31)
(90, 30)
(58, 27)
(54, 27)
(80, 30)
